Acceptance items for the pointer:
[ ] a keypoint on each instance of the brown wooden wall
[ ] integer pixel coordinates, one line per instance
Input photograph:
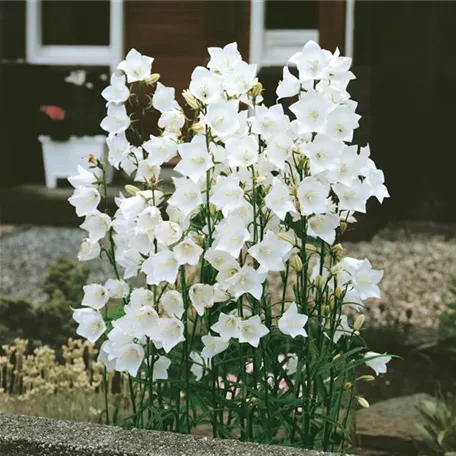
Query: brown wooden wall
(178, 33)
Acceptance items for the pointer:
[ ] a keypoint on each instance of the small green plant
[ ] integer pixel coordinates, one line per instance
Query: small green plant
(439, 426)
(447, 322)
(49, 322)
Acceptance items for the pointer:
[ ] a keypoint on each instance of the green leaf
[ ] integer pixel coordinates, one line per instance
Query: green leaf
(441, 436)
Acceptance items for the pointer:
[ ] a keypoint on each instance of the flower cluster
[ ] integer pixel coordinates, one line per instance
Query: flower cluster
(260, 192)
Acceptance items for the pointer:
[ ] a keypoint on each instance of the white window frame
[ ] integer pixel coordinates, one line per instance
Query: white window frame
(273, 47)
(37, 53)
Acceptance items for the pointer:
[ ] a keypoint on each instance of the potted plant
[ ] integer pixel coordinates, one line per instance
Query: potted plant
(71, 129)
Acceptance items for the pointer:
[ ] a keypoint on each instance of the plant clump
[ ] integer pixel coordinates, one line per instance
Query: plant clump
(260, 191)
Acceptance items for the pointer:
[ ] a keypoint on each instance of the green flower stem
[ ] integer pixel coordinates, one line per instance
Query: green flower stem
(186, 353)
(133, 400)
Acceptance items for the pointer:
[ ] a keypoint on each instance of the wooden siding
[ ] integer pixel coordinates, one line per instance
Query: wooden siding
(178, 33)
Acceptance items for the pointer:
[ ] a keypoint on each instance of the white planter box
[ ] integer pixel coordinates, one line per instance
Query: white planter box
(61, 158)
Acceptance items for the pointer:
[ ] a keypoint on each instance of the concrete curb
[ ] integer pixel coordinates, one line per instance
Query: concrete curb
(33, 436)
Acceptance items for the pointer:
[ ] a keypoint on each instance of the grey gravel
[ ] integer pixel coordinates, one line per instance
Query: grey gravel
(32, 436)
(25, 254)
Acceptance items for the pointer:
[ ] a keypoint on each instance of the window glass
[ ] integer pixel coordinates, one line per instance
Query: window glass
(291, 14)
(75, 22)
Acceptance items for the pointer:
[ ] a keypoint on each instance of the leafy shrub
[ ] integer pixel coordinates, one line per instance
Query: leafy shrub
(17, 319)
(439, 428)
(447, 323)
(50, 322)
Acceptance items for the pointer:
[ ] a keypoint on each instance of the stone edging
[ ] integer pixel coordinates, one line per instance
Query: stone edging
(34, 436)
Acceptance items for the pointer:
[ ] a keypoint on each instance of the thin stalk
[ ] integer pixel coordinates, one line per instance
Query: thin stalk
(133, 400)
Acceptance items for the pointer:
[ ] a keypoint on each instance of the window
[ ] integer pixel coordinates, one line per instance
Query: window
(74, 32)
(280, 28)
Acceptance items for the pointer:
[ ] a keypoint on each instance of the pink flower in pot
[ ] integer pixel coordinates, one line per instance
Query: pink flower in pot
(53, 112)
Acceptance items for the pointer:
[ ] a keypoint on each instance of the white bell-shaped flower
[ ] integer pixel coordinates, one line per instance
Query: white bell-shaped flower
(91, 325)
(312, 196)
(161, 267)
(136, 66)
(202, 297)
(167, 233)
(117, 119)
(242, 151)
(173, 303)
(232, 235)
(323, 226)
(227, 194)
(161, 366)
(377, 362)
(246, 280)
(85, 200)
(228, 326)
(141, 297)
(160, 149)
(85, 177)
(292, 323)
(213, 346)
(129, 359)
(279, 199)
(163, 99)
(188, 252)
(117, 289)
(271, 252)
(252, 330)
(172, 333)
(95, 296)
(117, 92)
(195, 159)
(97, 225)
(187, 195)
(88, 250)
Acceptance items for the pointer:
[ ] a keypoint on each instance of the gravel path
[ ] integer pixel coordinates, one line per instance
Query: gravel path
(418, 268)
(25, 254)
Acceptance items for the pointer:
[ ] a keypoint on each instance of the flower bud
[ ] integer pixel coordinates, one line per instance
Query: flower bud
(362, 402)
(190, 99)
(348, 385)
(343, 227)
(212, 209)
(296, 263)
(337, 249)
(365, 378)
(152, 79)
(92, 159)
(131, 189)
(197, 127)
(337, 356)
(332, 302)
(319, 281)
(287, 238)
(359, 322)
(294, 190)
(310, 248)
(338, 292)
(257, 89)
